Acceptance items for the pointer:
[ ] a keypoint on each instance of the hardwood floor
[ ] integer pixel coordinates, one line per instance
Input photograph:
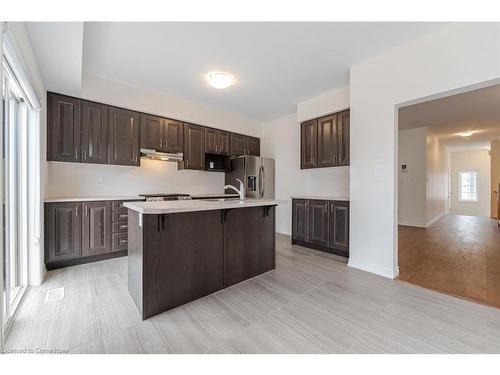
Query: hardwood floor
(312, 303)
(458, 255)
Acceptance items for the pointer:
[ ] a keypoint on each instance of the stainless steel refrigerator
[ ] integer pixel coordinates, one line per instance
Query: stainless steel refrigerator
(257, 174)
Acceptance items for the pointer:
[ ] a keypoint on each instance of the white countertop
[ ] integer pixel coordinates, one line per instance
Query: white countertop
(169, 207)
(321, 197)
(88, 199)
(202, 196)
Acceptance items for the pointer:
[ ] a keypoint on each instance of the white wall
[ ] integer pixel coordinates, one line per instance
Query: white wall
(281, 141)
(79, 180)
(465, 161)
(324, 104)
(412, 184)
(437, 178)
(446, 60)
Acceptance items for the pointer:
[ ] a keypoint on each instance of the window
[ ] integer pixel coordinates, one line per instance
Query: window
(468, 186)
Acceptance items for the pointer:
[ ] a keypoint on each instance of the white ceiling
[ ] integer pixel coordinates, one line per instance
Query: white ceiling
(276, 64)
(58, 47)
(476, 110)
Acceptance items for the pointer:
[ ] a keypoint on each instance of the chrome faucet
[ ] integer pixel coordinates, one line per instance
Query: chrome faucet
(241, 192)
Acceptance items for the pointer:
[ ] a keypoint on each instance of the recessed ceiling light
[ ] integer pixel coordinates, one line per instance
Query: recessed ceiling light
(465, 134)
(220, 80)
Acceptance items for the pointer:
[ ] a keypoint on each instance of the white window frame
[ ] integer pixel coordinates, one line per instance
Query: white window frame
(476, 199)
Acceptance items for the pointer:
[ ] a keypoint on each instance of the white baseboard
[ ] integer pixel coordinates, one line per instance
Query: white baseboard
(432, 221)
(385, 272)
(411, 224)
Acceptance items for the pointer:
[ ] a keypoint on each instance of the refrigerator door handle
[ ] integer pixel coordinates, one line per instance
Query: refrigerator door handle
(262, 191)
(260, 181)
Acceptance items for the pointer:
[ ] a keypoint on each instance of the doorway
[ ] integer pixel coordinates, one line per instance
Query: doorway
(449, 240)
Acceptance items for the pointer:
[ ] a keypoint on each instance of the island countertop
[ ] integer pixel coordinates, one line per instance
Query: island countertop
(169, 207)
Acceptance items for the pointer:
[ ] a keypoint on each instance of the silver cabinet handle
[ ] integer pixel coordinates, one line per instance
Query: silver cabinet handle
(86, 210)
(161, 142)
(331, 208)
(326, 208)
(77, 153)
(314, 160)
(187, 163)
(166, 143)
(76, 211)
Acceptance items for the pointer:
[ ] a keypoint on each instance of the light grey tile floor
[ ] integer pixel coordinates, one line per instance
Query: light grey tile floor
(312, 303)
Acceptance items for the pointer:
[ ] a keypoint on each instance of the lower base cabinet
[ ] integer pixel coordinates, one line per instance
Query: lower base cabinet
(321, 225)
(82, 232)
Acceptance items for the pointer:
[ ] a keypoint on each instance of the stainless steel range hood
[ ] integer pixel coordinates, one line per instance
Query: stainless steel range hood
(159, 155)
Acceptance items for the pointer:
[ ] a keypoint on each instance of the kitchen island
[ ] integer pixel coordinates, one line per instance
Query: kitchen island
(179, 251)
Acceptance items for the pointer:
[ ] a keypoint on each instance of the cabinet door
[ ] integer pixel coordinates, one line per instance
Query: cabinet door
(194, 147)
(63, 131)
(173, 136)
(238, 144)
(344, 138)
(308, 144)
(94, 133)
(224, 142)
(96, 234)
(123, 145)
(63, 231)
(152, 132)
(249, 243)
(339, 225)
(318, 222)
(211, 140)
(253, 146)
(300, 220)
(327, 141)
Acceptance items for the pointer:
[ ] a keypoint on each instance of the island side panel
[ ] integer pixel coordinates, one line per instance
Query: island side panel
(183, 258)
(249, 243)
(135, 258)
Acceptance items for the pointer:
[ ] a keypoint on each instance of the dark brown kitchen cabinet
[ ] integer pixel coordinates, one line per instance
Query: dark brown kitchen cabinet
(123, 145)
(324, 142)
(321, 224)
(238, 144)
(244, 145)
(217, 141)
(339, 225)
(63, 231)
(308, 144)
(249, 237)
(96, 233)
(194, 147)
(300, 222)
(173, 136)
(327, 141)
(94, 136)
(318, 222)
(82, 232)
(253, 146)
(64, 128)
(344, 119)
(152, 128)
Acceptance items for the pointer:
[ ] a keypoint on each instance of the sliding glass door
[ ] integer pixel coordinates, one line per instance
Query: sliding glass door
(15, 112)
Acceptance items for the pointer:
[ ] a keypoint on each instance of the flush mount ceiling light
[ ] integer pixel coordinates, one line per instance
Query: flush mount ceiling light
(220, 80)
(465, 134)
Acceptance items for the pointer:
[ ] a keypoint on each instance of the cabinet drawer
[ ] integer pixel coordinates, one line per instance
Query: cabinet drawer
(119, 241)
(120, 216)
(120, 226)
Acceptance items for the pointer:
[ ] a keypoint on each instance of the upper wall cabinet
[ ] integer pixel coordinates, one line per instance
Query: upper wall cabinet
(161, 134)
(64, 128)
(94, 133)
(244, 145)
(194, 147)
(152, 132)
(324, 142)
(123, 145)
(217, 141)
